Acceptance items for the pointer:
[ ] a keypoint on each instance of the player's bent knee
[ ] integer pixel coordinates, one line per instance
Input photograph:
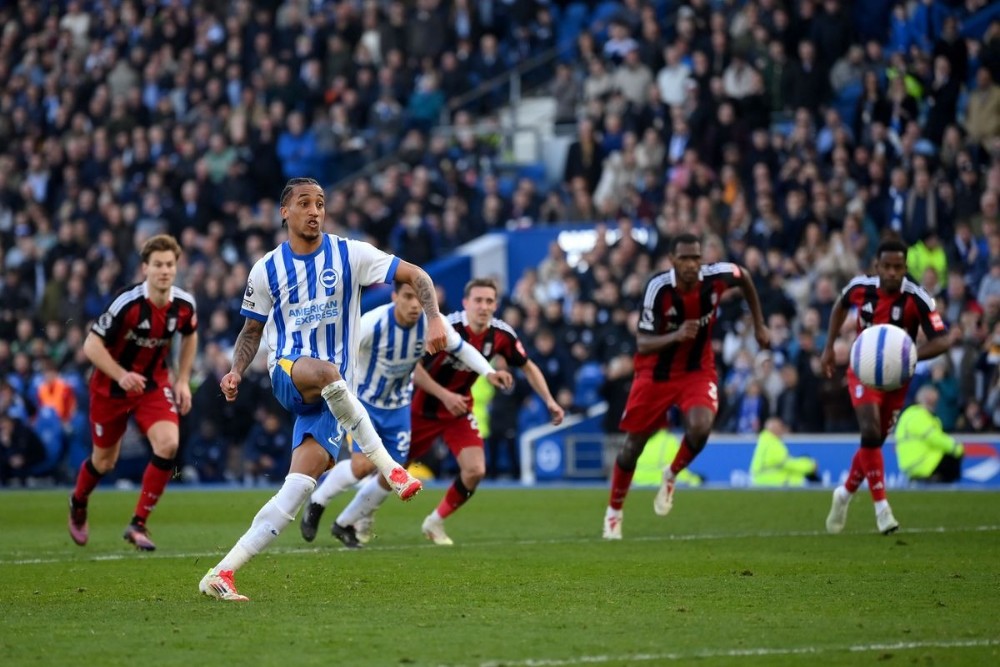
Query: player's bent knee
(474, 475)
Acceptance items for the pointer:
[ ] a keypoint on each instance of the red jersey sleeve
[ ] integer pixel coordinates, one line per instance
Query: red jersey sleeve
(930, 318)
(651, 317)
(509, 346)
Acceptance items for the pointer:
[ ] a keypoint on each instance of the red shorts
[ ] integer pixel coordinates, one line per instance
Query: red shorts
(649, 400)
(458, 433)
(109, 416)
(890, 402)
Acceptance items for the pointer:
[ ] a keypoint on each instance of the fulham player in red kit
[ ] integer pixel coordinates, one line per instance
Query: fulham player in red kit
(442, 402)
(129, 345)
(675, 366)
(886, 298)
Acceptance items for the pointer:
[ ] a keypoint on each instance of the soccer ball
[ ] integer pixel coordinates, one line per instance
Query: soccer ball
(884, 357)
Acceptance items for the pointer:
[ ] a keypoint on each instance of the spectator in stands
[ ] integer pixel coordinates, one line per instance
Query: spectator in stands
(772, 464)
(925, 450)
(20, 450)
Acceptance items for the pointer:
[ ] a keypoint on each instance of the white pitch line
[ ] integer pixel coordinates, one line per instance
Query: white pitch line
(690, 537)
(738, 653)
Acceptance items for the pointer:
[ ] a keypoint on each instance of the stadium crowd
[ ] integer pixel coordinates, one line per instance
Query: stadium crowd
(790, 135)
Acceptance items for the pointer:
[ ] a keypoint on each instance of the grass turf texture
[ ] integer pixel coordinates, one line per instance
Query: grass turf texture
(729, 578)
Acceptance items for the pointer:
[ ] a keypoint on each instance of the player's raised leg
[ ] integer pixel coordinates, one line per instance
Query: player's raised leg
(108, 420)
(699, 403)
(352, 416)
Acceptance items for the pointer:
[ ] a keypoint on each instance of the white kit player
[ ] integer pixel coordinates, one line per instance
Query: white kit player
(302, 298)
(392, 341)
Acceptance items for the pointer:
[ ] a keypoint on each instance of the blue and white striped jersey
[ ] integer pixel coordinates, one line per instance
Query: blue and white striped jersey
(387, 354)
(312, 303)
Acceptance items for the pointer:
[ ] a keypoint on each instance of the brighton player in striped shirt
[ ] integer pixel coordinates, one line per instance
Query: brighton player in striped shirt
(303, 299)
(129, 345)
(391, 344)
(675, 366)
(888, 297)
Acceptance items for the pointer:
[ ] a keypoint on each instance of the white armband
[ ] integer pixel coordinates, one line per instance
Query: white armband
(472, 358)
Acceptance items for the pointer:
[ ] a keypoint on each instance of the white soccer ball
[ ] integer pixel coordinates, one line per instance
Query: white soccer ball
(884, 357)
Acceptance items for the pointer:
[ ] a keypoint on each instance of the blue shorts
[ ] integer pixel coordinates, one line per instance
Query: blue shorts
(313, 419)
(393, 427)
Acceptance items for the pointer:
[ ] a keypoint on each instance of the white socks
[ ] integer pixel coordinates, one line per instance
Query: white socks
(337, 480)
(881, 505)
(365, 502)
(272, 518)
(353, 417)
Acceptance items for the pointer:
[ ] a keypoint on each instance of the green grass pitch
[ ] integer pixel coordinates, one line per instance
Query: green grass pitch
(743, 578)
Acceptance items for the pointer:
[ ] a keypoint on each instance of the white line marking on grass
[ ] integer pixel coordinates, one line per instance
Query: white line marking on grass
(738, 653)
(59, 557)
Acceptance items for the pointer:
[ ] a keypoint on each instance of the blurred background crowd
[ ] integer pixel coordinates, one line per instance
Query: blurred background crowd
(791, 134)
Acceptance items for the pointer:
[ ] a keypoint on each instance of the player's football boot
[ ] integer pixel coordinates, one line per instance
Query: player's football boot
(78, 528)
(346, 535)
(405, 485)
(837, 517)
(613, 524)
(139, 536)
(434, 531)
(310, 521)
(220, 585)
(664, 500)
(886, 522)
(364, 529)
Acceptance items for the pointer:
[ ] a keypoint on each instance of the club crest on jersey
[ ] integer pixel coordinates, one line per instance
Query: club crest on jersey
(487, 348)
(171, 324)
(328, 278)
(715, 299)
(896, 312)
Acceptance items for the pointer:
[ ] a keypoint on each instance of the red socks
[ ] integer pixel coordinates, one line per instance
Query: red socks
(684, 457)
(621, 480)
(867, 464)
(874, 467)
(456, 496)
(86, 481)
(154, 481)
(857, 473)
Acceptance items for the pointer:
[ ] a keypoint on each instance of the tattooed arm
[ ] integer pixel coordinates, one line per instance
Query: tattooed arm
(243, 353)
(422, 284)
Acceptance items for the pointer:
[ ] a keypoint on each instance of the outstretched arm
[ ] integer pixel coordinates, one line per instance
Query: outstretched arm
(243, 353)
(933, 347)
(761, 331)
(422, 284)
(537, 382)
(837, 318)
(182, 387)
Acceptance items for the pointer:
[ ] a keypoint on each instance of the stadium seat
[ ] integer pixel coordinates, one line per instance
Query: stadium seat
(588, 384)
(534, 413)
(534, 171)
